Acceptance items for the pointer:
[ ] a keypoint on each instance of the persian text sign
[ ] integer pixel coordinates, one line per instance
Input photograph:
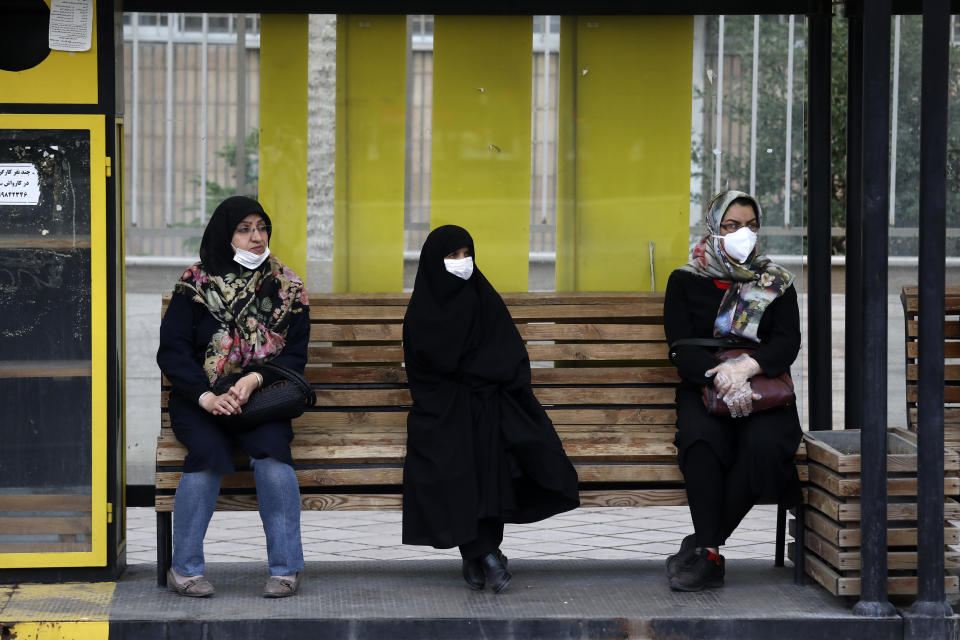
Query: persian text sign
(19, 184)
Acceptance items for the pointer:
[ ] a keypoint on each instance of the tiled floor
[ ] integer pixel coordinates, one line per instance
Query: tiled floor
(627, 533)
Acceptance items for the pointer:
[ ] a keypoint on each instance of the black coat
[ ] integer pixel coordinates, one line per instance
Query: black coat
(479, 445)
(184, 335)
(689, 311)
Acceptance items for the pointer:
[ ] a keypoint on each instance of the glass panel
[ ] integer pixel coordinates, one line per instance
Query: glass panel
(45, 329)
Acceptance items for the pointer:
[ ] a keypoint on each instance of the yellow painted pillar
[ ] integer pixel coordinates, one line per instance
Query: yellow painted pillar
(370, 135)
(480, 163)
(566, 260)
(624, 150)
(282, 188)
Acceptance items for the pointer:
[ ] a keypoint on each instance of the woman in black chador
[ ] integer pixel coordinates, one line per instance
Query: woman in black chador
(481, 450)
(729, 290)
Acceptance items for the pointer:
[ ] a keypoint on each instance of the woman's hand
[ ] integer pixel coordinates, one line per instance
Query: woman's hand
(222, 405)
(733, 374)
(243, 387)
(740, 401)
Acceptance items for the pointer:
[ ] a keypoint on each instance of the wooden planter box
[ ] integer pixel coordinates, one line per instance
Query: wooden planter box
(832, 520)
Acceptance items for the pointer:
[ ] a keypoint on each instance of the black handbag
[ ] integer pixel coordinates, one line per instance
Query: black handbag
(284, 399)
(774, 392)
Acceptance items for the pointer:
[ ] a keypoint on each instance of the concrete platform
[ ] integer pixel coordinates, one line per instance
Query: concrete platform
(428, 599)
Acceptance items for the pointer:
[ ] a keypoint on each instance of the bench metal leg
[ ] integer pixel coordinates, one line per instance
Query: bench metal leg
(800, 549)
(164, 545)
(781, 535)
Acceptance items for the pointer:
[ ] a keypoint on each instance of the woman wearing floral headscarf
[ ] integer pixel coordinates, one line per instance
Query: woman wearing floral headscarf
(234, 310)
(729, 290)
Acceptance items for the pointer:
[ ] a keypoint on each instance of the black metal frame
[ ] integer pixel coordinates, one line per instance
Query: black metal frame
(931, 603)
(873, 435)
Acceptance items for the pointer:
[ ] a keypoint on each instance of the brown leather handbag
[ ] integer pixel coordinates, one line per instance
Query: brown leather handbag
(776, 392)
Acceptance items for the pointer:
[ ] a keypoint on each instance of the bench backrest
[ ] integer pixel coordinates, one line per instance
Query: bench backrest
(599, 366)
(909, 298)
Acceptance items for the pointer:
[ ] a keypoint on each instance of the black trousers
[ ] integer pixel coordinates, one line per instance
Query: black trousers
(489, 537)
(719, 498)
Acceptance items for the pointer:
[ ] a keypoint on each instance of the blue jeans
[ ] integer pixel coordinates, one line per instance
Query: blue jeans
(279, 502)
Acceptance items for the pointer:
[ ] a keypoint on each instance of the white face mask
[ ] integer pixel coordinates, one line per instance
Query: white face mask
(739, 244)
(461, 268)
(249, 259)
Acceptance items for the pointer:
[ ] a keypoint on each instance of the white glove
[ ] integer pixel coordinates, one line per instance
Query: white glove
(740, 400)
(733, 374)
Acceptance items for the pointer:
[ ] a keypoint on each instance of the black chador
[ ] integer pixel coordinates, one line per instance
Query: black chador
(479, 445)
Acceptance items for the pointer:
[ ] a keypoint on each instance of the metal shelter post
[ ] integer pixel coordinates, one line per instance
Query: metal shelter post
(925, 618)
(853, 329)
(873, 435)
(819, 358)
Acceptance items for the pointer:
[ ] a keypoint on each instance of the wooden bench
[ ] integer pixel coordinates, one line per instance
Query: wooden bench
(909, 298)
(600, 368)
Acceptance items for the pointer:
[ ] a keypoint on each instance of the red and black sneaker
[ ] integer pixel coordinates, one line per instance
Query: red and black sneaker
(701, 570)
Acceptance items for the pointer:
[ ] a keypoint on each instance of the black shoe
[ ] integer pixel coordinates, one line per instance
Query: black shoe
(702, 570)
(686, 550)
(495, 571)
(473, 571)
(473, 574)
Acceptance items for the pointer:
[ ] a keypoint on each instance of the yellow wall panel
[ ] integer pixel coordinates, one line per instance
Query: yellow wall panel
(370, 133)
(64, 77)
(282, 188)
(481, 139)
(566, 261)
(625, 124)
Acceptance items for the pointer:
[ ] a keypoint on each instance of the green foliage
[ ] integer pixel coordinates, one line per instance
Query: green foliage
(771, 126)
(215, 193)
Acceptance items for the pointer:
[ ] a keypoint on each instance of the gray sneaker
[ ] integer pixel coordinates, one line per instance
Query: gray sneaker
(278, 587)
(195, 587)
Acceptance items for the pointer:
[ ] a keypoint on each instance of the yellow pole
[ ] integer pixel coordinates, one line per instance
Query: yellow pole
(369, 155)
(282, 188)
(481, 139)
(624, 163)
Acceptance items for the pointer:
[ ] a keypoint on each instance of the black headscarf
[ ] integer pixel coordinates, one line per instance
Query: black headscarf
(216, 252)
(448, 317)
(479, 445)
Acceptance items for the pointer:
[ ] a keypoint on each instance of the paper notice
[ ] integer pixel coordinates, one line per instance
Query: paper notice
(71, 23)
(19, 184)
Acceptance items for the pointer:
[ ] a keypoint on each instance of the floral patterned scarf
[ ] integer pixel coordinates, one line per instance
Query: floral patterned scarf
(755, 284)
(254, 309)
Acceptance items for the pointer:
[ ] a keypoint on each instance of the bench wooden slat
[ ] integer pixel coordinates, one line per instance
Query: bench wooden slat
(360, 501)
(639, 311)
(537, 352)
(393, 332)
(546, 395)
(320, 332)
(605, 416)
(395, 374)
(372, 476)
(385, 452)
